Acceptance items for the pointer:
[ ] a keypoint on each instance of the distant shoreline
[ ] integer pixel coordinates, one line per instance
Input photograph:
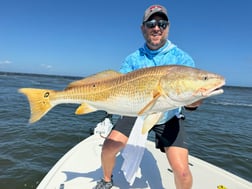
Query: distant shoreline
(39, 75)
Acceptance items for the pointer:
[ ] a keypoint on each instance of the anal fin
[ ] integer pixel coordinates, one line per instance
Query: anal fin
(84, 109)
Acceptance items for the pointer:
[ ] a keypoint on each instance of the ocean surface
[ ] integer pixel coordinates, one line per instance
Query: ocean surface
(219, 132)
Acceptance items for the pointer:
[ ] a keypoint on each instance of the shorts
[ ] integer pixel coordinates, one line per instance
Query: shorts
(171, 133)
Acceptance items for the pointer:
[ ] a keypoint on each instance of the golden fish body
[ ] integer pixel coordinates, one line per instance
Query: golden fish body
(148, 91)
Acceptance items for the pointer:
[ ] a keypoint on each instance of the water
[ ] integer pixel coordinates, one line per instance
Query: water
(220, 131)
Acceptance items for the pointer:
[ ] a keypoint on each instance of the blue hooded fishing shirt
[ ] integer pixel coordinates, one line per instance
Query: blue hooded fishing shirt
(167, 55)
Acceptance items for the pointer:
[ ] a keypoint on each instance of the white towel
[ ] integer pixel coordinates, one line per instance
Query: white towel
(133, 152)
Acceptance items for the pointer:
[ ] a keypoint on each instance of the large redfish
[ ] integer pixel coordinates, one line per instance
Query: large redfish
(145, 92)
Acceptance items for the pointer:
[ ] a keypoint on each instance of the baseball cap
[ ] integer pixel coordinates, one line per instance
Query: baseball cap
(153, 9)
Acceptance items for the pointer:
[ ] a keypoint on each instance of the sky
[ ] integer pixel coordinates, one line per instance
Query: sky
(83, 37)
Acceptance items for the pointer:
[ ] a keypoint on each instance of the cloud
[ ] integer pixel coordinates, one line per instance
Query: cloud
(46, 66)
(4, 62)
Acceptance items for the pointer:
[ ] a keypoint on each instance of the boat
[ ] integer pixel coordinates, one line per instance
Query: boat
(80, 168)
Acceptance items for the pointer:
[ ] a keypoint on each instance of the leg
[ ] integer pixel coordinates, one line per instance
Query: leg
(116, 140)
(178, 159)
(171, 139)
(112, 145)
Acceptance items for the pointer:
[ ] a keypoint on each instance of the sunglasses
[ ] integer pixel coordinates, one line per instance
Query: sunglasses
(162, 24)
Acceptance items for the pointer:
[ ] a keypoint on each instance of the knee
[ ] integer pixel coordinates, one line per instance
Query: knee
(183, 177)
(111, 148)
(183, 173)
(186, 175)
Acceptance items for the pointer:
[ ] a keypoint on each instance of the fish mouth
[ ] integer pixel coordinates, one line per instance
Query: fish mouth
(216, 91)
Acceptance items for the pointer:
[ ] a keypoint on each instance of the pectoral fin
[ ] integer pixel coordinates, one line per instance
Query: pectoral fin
(150, 104)
(84, 109)
(150, 121)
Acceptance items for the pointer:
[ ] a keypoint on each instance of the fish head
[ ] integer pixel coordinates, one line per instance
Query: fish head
(186, 85)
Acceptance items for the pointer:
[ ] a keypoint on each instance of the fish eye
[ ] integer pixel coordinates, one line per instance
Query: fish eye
(46, 94)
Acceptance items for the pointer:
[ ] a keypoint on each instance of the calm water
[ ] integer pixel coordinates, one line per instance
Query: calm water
(220, 131)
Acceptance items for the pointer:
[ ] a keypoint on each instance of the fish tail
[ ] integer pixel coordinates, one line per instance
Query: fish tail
(39, 100)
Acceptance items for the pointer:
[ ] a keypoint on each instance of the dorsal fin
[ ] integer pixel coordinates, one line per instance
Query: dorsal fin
(108, 74)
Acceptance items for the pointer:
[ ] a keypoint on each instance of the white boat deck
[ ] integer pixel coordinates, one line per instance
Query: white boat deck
(81, 168)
